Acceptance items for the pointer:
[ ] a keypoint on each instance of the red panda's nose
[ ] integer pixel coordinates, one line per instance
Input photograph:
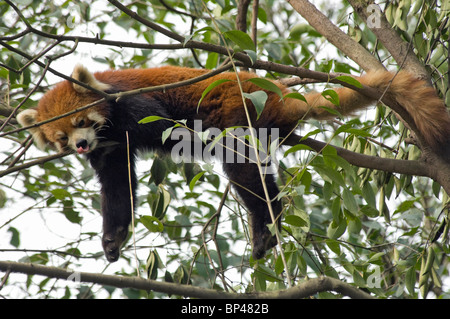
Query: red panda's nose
(82, 146)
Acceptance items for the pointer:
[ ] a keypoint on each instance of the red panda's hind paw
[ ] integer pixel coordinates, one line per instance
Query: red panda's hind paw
(112, 243)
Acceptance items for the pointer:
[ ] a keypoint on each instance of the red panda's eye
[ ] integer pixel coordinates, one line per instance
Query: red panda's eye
(81, 123)
(63, 138)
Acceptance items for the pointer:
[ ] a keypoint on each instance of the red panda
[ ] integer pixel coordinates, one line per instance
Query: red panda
(221, 108)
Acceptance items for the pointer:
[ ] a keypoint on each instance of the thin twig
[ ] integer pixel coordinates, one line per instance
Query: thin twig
(132, 203)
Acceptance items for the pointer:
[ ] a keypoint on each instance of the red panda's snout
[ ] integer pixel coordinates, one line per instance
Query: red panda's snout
(82, 146)
(82, 140)
(76, 134)
(81, 136)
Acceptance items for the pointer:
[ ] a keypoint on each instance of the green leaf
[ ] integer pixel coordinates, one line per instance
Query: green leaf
(194, 180)
(211, 61)
(150, 119)
(60, 193)
(158, 171)
(376, 257)
(435, 186)
(334, 246)
(279, 266)
(331, 96)
(152, 224)
(335, 231)
(272, 228)
(330, 174)
(336, 209)
(240, 38)
(295, 95)
(24, 2)
(159, 201)
(349, 80)
(331, 111)
(15, 237)
(210, 87)
(219, 138)
(204, 136)
(370, 211)
(274, 50)
(295, 220)
(71, 214)
(349, 201)
(166, 134)
(348, 128)
(3, 198)
(297, 148)
(153, 263)
(369, 195)
(358, 279)
(410, 280)
(268, 273)
(258, 99)
(303, 28)
(181, 275)
(267, 85)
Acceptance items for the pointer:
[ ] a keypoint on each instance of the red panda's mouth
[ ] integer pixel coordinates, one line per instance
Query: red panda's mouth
(84, 146)
(82, 150)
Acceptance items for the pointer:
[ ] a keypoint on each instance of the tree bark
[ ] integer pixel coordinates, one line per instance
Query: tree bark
(335, 36)
(401, 51)
(303, 290)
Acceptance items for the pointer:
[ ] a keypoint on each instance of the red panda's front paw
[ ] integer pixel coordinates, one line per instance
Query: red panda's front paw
(112, 243)
(262, 243)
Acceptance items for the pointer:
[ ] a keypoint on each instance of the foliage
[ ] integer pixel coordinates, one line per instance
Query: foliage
(371, 228)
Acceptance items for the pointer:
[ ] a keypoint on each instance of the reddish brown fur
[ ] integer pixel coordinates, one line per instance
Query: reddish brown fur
(223, 107)
(62, 99)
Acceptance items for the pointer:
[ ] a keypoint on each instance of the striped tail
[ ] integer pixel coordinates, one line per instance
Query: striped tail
(420, 101)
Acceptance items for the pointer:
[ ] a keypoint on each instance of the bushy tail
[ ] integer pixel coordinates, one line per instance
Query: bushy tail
(421, 101)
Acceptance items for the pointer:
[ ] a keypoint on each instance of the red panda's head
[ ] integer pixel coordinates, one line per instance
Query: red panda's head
(77, 131)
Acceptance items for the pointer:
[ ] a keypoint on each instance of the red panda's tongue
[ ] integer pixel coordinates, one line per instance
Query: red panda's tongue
(82, 150)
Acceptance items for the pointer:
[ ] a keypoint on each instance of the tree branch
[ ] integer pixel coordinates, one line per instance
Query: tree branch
(147, 22)
(241, 17)
(408, 167)
(334, 35)
(304, 290)
(38, 161)
(401, 51)
(430, 165)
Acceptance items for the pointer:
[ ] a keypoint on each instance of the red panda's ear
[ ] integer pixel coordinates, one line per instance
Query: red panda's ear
(82, 74)
(29, 117)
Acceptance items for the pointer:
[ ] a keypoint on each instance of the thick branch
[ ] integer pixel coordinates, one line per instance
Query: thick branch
(314, 286)
(147, 22)
(303, 290)
(430, 165)
(241, 18)
(408, 167)
(401, 51)
(334, 35)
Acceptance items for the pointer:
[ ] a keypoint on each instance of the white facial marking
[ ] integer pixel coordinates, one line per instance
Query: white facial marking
(96, 117)
(86, 134)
